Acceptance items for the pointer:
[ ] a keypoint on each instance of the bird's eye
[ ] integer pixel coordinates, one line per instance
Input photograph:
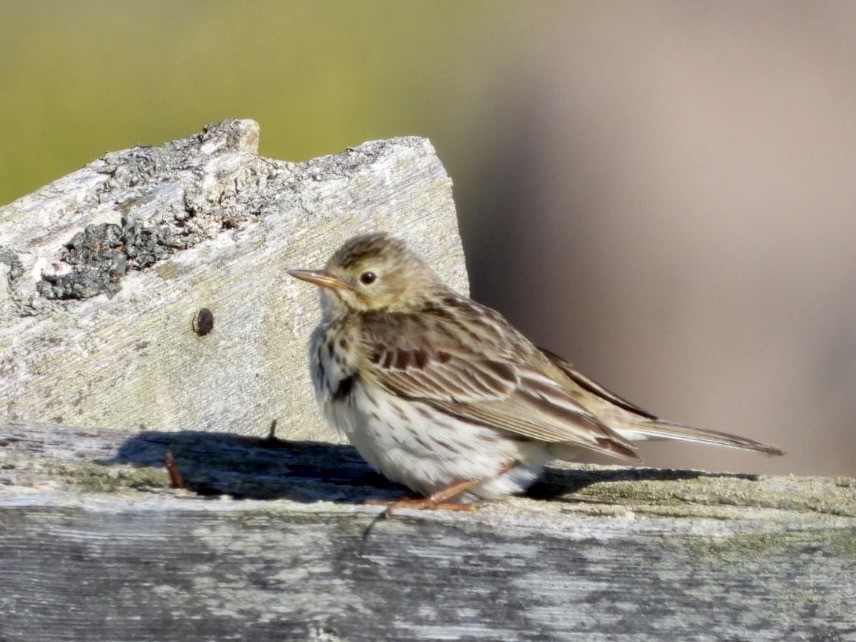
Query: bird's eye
(367, 278)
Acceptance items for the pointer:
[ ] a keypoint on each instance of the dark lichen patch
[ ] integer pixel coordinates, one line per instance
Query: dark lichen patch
(16, 269)
(176, 196)
(165, 205)
(100, 255)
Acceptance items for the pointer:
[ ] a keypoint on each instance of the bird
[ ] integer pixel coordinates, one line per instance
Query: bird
(441, 394)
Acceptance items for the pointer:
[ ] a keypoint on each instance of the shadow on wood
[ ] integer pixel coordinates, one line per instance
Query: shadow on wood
(310, 471)
(254, 468)
(94, 544)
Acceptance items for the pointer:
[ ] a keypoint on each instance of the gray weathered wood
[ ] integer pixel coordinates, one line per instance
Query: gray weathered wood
(100, 334)
(272, 542)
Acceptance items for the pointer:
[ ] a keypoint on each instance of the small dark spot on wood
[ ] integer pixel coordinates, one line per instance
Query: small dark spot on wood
(203, 322)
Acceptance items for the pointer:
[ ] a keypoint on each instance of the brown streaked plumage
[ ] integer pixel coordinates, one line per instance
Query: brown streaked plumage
(443, 395)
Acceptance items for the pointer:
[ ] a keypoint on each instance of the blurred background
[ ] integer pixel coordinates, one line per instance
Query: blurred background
(664, 193)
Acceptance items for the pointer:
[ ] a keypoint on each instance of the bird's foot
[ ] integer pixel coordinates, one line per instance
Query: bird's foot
(418, 503)
(435, 501)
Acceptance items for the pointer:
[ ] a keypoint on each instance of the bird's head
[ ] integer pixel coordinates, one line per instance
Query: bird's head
(374, 272)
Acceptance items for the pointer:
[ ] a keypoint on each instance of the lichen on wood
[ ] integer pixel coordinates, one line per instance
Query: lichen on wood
(272, 540)
(103, 272)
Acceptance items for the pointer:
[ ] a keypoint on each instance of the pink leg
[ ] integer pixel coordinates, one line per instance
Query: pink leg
(440, 499)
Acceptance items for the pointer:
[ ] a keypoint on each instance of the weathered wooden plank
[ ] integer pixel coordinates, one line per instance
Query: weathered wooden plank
(103, 271)
(273, 542)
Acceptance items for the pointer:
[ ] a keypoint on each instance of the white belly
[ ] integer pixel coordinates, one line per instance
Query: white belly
(412, 443)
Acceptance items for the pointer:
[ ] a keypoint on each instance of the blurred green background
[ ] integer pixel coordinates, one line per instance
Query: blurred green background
(661, 191)
(83, 78)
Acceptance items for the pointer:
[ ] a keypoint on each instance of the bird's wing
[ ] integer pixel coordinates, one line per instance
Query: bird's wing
(589, 385)
(464, 374)
(637, 423)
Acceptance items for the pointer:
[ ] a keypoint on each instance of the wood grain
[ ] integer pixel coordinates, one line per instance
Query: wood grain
(272, 541)
(103, 275)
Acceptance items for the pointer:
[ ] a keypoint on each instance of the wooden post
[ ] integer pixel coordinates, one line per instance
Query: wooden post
(104, 275)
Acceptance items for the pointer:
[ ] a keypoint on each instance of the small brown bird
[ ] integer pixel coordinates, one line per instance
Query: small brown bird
(443, 395)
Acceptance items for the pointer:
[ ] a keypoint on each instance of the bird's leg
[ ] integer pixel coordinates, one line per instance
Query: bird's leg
(434, 501)
(439, 500)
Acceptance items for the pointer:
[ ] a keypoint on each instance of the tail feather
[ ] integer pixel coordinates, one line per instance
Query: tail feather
(658, 429)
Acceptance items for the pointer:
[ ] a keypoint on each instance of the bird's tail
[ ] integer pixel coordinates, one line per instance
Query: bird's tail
(658, 429)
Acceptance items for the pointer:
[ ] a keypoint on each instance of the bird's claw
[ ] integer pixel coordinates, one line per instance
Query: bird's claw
(418, 503)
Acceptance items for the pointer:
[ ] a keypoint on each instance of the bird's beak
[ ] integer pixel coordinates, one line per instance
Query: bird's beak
(320, 277)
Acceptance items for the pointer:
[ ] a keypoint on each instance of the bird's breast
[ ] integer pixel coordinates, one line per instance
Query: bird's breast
(333, 360)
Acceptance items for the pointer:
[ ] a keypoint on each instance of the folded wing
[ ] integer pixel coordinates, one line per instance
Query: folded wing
(429, 358)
